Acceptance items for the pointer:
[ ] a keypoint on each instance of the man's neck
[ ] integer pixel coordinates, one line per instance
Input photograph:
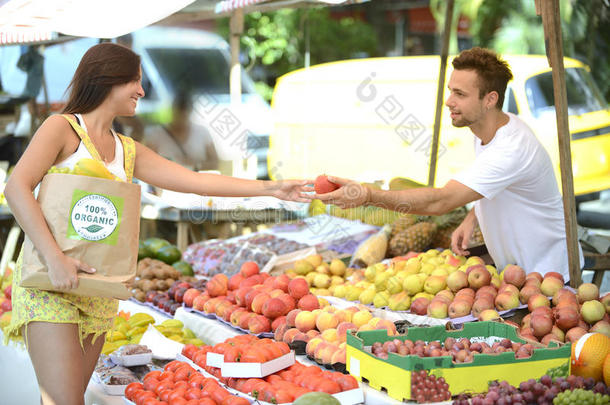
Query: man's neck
(485, 129)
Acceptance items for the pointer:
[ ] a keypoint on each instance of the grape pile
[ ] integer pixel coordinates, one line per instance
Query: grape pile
(428, 388)
(580, 396)
(546, 391)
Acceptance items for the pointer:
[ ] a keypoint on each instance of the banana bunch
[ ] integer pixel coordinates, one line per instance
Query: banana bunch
(86, 167)
(127, 331)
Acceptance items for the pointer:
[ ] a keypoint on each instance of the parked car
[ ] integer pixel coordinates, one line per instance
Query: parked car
(372, 119)
(174, 60)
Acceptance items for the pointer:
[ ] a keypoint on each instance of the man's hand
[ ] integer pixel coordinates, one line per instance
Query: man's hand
(350, 194)
(462, 235)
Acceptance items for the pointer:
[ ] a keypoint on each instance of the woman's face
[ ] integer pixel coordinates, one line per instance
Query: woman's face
(124, 97)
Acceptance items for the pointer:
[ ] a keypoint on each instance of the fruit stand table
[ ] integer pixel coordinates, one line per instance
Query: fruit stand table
(198, 210)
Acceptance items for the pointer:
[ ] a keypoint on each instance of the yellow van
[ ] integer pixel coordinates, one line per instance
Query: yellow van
(372, 120)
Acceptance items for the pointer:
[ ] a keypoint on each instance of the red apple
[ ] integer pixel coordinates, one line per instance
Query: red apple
(322, 185)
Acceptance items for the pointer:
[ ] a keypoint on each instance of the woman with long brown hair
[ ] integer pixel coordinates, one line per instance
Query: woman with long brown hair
(64, 332)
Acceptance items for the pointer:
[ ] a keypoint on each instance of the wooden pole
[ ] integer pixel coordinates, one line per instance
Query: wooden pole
(549, 11)
(439, 93)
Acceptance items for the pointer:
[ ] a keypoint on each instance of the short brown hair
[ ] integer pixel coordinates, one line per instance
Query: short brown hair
(493, 72)
(103, 66)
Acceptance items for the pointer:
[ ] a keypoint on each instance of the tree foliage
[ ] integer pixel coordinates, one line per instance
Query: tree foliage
(277, 41)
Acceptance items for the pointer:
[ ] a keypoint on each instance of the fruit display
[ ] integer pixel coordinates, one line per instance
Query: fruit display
(544, 391)
(146, 289)
(320, 276)
(160, 249)
(467, 358)
(373, 249)
(565, 317)
(283, 386)
(128, 329)
(461, 350)
(212, 257)
(428, 388)
(249, 349)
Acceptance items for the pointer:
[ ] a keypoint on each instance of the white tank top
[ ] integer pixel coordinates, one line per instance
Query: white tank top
(115, 167)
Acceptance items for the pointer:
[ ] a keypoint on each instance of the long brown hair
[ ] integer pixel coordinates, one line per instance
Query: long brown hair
(493, 73)
(102, 67)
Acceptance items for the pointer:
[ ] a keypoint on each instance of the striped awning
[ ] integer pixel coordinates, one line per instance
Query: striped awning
(29, 21)
(226, 6)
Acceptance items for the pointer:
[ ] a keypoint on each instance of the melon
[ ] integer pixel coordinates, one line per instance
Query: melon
(606, 370)
(316, 398)
(589, 354)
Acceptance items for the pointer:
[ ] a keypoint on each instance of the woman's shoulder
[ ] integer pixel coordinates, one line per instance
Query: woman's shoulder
(56, 121)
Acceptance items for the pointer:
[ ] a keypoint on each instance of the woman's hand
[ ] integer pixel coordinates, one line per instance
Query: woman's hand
(463, 233)
(63, 272)
(291, 190)
(350, 194)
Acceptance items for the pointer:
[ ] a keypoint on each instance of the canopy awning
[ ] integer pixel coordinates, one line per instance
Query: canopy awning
(30, 21)
(227, 6)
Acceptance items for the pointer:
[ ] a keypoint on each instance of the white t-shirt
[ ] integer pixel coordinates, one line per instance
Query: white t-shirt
(521, 215)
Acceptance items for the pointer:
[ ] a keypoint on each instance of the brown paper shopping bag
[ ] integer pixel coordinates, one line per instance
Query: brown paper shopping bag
(94, 220)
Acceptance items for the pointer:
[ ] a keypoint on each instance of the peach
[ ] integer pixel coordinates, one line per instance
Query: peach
(259, 301)
(291, 316)
(298, 287)
(281, 320)
(278, 335)
(305, 320)
(244, 319)
(338, 357)
(326, 321)
(235, 281)
(330, 335)
(273, 308)
(289, 335)
(200, 301)
(312, 333)
(288, 301)
(259, 324)
(303, 337)
(361, 318)
(308, 302)
(342, 329)
(311, 345)
(387, 325)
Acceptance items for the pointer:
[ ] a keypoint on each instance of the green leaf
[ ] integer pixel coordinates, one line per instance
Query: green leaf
(94, 228)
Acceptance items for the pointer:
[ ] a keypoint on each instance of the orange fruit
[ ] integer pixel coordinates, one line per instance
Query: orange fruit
(589, 354)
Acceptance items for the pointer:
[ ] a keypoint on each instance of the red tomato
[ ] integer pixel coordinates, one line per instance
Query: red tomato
(154, 374)
(206, 401)
(175, 394)
(150, 384)
(283, 396)
(188, 350)
(167, 375)
(177, 401)
(193, 393)
(181, 384)
(141, 396)
(163, 385)
(164, 395)
(196, 381)
(132, 388)
(172, 365)
(235, 400)
(219, 394)
(284, 348)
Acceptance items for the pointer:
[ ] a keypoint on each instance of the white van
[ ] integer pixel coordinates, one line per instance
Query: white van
(372, 120)
(173, 60)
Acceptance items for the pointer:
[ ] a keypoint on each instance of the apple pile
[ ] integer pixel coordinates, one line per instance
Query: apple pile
(322, 277)
(325, 331)
(568, 315)
(461, 350)
(281, 387)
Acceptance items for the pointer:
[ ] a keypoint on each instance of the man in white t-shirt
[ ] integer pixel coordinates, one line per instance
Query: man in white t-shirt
(516, 198)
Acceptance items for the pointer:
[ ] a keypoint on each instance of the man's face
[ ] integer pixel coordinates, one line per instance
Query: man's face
(464, 104)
